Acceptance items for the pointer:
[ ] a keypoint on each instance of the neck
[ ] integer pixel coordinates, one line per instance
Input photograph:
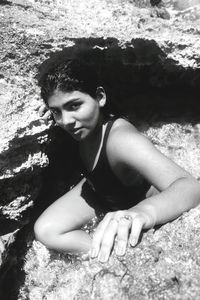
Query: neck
(90, 148)
(95, 136)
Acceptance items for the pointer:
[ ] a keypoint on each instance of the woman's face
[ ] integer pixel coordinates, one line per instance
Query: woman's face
(76, 112)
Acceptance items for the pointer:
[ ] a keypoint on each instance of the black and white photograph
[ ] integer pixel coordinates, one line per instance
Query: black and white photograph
(99, 149)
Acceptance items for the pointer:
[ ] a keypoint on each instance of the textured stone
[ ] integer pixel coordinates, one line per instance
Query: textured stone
(165, 264)
(149, 52)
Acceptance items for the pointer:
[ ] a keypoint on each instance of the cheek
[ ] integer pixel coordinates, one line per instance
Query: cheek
(90, 113)
(94, 110)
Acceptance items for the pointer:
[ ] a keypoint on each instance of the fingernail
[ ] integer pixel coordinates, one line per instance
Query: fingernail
(133, 241)
(103, 257)
(93, 253)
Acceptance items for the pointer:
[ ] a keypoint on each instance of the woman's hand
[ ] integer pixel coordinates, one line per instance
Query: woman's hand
(116, 230)
(45, 113)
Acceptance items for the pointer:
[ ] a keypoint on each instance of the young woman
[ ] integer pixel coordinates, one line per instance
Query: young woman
(126, 177)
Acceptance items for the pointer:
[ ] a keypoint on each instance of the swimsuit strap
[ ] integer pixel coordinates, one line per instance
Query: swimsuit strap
(107, 131)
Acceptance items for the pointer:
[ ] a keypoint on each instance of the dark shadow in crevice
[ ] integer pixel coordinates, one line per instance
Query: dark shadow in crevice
(7, 226)
(28, 144)
(57, 179)
(5, 2)
(11, 273)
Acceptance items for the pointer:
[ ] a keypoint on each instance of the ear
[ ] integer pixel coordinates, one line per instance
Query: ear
(101, 96)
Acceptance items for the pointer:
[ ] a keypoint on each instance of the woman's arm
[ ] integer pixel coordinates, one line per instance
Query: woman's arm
(180, 196)
(179, 191)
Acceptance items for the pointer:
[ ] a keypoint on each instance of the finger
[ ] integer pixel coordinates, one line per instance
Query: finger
(43, 108)
(108, 240)
(102, 227)
(122, 235)
(136, 228)
(47, 115)
(97, 237)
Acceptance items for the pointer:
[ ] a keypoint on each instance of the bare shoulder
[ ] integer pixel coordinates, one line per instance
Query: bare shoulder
(124, 139)
(123, 132)
(122, 125)
(129, 148)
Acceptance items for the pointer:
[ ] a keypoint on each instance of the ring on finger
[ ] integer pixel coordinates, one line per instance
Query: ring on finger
(127, 217)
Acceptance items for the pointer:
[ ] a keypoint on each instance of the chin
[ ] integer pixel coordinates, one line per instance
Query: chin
(82, 135)
(79, 137)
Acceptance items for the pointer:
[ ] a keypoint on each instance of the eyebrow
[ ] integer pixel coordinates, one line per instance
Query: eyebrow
(67, 103)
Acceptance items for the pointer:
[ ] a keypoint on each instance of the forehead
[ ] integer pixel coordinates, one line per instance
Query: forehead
(59, 98)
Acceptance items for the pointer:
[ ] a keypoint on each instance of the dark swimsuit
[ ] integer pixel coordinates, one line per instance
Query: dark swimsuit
(103, 190)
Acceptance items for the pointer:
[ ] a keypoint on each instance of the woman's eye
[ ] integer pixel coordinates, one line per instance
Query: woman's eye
(75, 106)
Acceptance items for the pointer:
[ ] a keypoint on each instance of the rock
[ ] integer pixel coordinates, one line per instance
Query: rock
(165, 264)
(2, 248)
(161, 13)
(183, 4)
(5, 241)
(150, 56)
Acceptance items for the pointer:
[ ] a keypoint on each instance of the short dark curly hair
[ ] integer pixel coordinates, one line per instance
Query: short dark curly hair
(68, 76)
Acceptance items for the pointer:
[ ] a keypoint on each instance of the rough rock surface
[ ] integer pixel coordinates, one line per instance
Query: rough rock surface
(157, 43)
(165, 265)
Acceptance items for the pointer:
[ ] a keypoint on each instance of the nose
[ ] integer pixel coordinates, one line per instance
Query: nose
(67, 120)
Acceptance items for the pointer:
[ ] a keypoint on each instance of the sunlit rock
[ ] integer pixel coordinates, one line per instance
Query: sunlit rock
(148, 53)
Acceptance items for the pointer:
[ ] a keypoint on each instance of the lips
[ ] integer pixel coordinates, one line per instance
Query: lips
(75, 130)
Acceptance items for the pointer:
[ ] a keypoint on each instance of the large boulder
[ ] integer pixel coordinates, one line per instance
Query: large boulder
(148, 52)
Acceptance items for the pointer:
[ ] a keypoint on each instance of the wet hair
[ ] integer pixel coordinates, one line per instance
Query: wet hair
(68, 76)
